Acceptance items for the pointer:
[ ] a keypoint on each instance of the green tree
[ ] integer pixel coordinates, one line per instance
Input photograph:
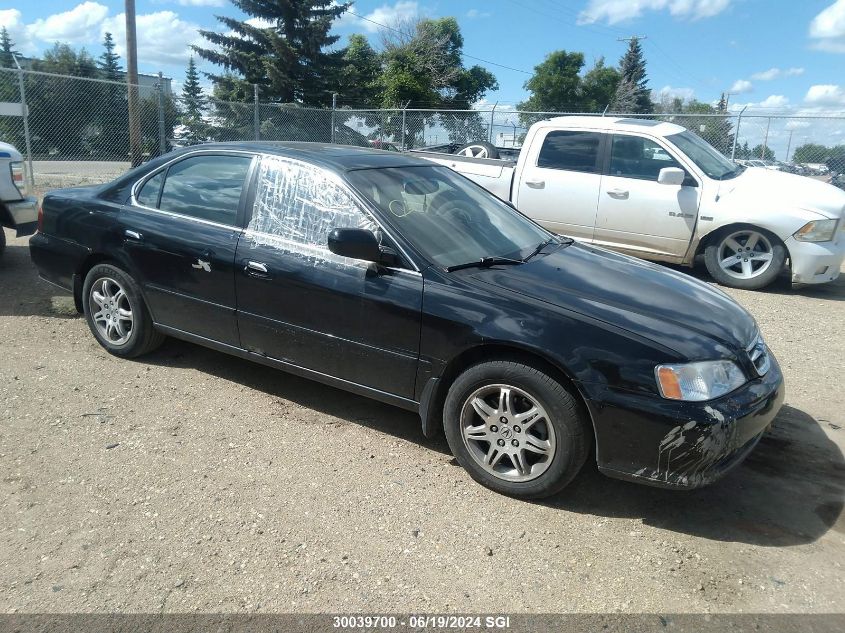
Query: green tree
(288, 58)
(194, 103)
(112, 137)
(598, 87)
(763, 153)
(109, 62)
(359, 73)
(555, 85)
(7, 49)
(633, 94)
(810, 153)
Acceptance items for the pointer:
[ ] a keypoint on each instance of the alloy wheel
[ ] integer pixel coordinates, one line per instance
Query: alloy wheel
(508, 432)
(745, 254)
(111, 310)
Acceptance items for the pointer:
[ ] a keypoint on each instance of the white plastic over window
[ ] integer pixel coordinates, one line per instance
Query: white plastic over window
(296, 207)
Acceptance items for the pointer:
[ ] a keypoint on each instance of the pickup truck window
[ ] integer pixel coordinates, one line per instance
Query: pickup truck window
(205, 187)
(571, 151)
(704, 156)
(448, 218)
(638, 157)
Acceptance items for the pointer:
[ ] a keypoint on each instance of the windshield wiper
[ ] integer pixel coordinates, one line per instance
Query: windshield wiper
(552, 240)
(484, 262)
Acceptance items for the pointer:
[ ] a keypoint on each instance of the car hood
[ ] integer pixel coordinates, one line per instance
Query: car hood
(774, 189)
(671, 308)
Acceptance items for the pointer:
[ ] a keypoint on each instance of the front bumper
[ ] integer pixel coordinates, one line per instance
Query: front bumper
(24, 216)
(672, 444)
(816, 262)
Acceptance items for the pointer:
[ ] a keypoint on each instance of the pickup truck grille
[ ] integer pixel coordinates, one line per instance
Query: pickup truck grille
(758, 353)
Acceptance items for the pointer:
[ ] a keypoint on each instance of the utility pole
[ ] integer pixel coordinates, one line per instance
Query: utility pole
(639, 38)
(132, 79)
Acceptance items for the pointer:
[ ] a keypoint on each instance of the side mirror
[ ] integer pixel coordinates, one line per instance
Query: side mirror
(671, 176)
(355, 244)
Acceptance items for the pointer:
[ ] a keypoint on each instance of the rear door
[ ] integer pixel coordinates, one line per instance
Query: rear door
(636, 213)
(559, 185)
(181, 230)
(303, 305)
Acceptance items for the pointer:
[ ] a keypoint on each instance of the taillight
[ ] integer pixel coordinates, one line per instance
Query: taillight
(40, 217)
(19, 177)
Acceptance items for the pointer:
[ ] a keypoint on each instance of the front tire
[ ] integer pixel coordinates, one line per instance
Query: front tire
(748, 258)
(515, 429)
(116, 313)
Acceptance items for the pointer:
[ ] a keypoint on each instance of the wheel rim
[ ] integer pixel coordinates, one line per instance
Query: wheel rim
(745, 254)
(508, 433)
(111, 310)
(474, 151)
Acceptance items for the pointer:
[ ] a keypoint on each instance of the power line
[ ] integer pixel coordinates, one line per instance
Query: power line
(480, 59)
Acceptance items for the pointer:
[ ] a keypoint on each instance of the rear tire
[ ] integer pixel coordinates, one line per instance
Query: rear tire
(478, 149)
(515, 429)
(116, 313)
(749, 258)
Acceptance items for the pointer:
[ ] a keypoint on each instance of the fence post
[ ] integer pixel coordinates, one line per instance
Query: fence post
(492, 114)
(381, 132)
(766, 140)
(26, 136)
(256, 115)
(334, 107)
(162, 137)
(736, 134)
(404, 110)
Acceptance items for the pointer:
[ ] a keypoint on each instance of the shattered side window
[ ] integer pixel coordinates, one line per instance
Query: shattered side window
(296, 207)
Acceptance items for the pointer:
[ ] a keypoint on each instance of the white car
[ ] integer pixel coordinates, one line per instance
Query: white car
(658, 191)
(17, 211)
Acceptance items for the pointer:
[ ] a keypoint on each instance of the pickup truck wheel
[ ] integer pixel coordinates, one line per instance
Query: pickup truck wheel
(478, 149)
(116, 313)
(515, 429)
(749, 258)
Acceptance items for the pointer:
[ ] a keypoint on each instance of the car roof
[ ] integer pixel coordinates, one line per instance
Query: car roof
(333, 157)
(616, 123)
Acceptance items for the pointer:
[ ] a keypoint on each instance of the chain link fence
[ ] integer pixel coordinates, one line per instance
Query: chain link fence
(75, 130)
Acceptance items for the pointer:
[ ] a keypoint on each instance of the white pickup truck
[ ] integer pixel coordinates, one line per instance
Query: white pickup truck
(657, 191)
(17, 211)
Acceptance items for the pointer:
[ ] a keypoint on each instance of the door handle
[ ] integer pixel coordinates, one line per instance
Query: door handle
(133, 235)
(256, 269)
(619, 194)
(535, 184)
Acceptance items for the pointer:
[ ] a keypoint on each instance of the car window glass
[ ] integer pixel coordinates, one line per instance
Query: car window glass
(638, 157)
(572, 151)
(297, 206)
(206, 187)
(148, 195)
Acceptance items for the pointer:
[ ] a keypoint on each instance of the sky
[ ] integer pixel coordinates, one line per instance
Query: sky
(774, 56)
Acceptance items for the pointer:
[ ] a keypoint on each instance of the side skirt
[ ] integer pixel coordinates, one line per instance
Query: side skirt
(346, 385)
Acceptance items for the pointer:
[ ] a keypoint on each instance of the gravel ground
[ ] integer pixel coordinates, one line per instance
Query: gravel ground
(192, 481)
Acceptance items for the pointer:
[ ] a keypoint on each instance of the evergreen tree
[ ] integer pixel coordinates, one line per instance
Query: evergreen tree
(634, 83)
(109, 64)
(7, 49)
(361, 68)
(193, 100)
(287, 58)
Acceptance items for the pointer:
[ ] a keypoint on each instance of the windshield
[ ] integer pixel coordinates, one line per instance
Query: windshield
(710, 161)
(448, 218)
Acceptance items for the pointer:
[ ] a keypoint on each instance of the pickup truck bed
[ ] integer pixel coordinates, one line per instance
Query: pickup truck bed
(494, 174)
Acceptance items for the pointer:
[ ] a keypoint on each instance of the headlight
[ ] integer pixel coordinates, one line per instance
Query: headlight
(817, 231)
(18, 177)
(698, 381)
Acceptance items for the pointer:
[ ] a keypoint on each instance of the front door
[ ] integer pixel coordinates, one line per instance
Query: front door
(559, 187)
(637, 214)
(180, 233)
(301, 304)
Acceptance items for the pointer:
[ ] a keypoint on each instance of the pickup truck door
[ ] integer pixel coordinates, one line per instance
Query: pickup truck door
(558, 185)
(637, 214)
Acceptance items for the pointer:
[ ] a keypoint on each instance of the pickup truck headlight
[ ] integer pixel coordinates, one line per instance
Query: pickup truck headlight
(817, 231)
(700, 381)
(18, 176)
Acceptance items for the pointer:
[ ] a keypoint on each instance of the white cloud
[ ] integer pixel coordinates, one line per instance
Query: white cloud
(825, 95)
(774, 101)
(613, 11)
(741, 85)
(828, 28)
(201, 3)
(79, 25)
(163, 37)
(796, 125)
(386, 14)
(475, 13)
(777, 73)
(670, 92)
(11, 19)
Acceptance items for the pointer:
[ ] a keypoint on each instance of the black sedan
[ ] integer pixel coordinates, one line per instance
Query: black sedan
(393, 278)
